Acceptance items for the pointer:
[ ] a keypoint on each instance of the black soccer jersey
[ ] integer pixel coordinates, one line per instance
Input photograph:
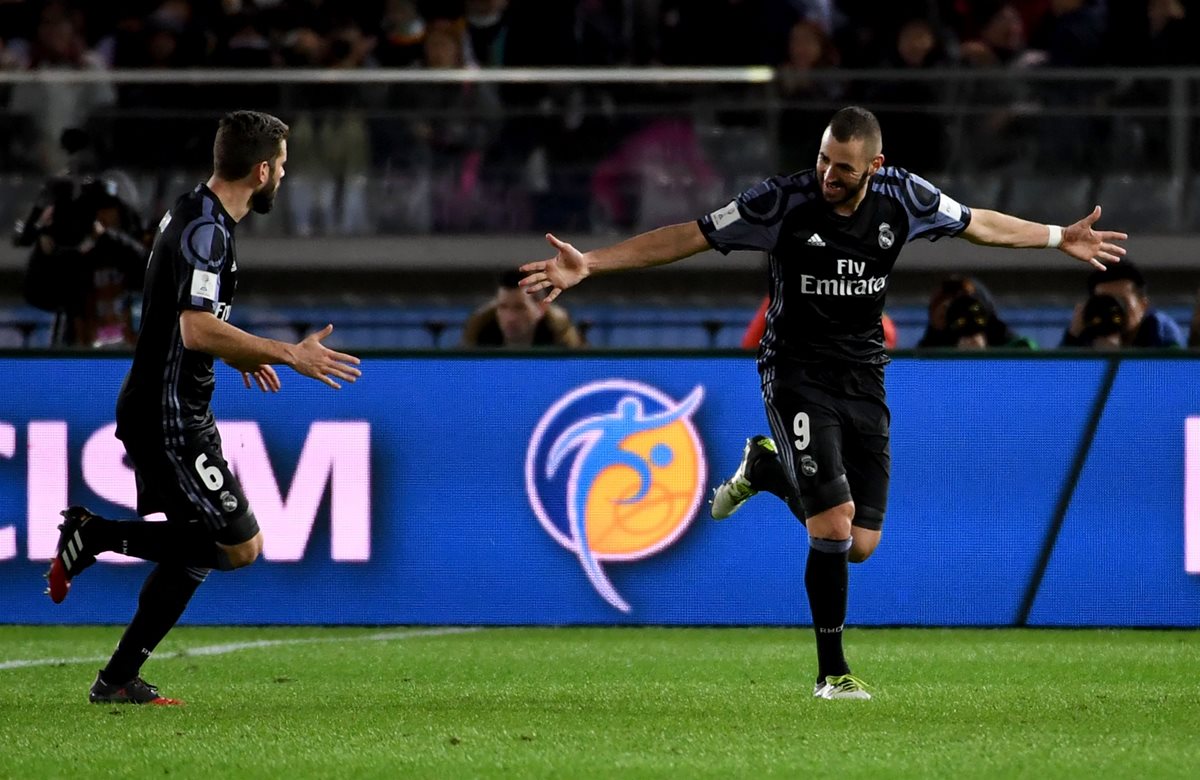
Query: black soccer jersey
(193, 265)
(829, 273)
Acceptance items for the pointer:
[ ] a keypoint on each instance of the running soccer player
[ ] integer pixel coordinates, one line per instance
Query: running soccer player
(163, 414)
(833, 234)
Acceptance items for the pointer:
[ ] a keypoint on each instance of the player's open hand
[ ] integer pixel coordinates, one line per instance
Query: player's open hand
(1096, 247)
(563, 271)
(265, 377)
(313, 359)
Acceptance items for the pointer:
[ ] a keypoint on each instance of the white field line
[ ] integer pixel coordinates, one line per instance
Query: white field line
(234, 647)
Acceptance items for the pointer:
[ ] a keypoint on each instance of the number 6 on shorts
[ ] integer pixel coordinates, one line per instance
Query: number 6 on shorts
(213, 479)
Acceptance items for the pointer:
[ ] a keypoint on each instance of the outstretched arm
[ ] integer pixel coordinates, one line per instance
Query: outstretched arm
(570, 266)
(1080, 241)
(204, 332)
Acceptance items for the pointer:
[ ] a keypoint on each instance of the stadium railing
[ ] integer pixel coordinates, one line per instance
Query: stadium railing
(402, 152)
(439, 158)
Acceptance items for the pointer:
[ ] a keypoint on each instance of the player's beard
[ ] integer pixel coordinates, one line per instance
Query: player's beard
(264, 198)
(850, 193)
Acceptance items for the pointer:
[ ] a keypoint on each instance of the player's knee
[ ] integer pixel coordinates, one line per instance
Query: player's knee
(833, 523)
(243, 558)
(238, 556)
(868, 529)
(864, 545)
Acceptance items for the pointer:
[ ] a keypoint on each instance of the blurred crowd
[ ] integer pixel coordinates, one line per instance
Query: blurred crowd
(445, 138)
(389, 33)
(400, 157)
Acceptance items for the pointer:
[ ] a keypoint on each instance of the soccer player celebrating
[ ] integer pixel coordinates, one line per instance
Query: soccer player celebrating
(833, 234)
(163, 414)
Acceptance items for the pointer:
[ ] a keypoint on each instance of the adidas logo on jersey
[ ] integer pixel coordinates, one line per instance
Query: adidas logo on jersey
(815, 240)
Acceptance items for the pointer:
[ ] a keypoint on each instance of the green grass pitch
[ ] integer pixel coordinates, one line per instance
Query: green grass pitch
(605, 702)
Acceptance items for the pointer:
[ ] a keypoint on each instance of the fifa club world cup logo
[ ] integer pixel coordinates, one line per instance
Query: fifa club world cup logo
(615, 472)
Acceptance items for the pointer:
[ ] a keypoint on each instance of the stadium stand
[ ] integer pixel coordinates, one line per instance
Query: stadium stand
(668, 144)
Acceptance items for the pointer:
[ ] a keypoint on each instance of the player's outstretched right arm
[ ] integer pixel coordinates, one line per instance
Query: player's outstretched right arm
(569, 266)
(204, 332)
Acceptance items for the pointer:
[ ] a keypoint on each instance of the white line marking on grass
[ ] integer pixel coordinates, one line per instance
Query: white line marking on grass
(233, 647)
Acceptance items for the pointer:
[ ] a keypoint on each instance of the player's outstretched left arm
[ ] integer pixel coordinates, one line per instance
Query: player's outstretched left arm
(1079, 240)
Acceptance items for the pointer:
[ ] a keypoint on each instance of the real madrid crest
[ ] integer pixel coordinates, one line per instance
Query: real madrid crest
(886, 236)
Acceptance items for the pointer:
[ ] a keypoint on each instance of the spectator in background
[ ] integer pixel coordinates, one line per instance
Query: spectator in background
(1103, 322)
(758, 325)
(169, 38)
(453, 126)
(604, 32)
(1001, 40)
(1147, 35)
(1152, 34)
(909, 108)
(1072, 37)
(329, 135)
(51, 108)
(966, 323)
(660, 172)
(514, 319)
(88, 253)
(805, 109)
(995, 133)
(972, 324)
(1143, 325)
(939, 333)
(244, 45)
(1073, 34)
(487, 30)
(402, 32)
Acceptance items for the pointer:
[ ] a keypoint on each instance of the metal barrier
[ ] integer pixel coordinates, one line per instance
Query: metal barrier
(401, 152)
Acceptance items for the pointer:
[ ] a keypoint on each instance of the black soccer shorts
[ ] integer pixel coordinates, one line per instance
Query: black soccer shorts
(192, 483)
(833, 448)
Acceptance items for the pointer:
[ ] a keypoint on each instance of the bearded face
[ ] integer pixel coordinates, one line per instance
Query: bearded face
(264, 197)
(844, 168)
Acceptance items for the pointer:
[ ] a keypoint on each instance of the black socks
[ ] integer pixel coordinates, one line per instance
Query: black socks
(177, 543)
(164, 596)
(826, 577)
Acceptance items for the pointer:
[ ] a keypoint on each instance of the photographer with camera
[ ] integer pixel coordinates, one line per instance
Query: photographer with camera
(1141, 325)
(962, 315)
(88, 254)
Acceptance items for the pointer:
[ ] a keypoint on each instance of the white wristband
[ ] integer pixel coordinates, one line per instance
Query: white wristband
(1055, 238)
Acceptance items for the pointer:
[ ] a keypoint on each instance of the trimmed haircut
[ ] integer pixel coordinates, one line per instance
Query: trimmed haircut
(244, 139)
(856, 122)
(511, 280)
(1118, 272)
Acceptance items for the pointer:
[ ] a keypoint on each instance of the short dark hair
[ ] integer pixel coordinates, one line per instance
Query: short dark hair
(244, 139)
(857, 122)
(511, 280)
(1118, 272)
